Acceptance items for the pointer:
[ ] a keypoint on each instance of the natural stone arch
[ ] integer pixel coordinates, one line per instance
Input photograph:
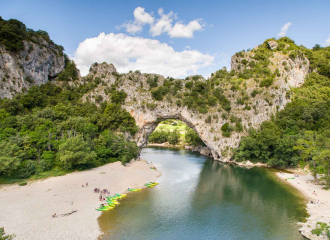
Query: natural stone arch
(148, 122)
(149, 127)
(147, 111)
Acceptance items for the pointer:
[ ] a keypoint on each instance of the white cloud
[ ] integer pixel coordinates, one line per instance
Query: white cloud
(284, 29)
(164, 24)
(186, 31)
(327, 42)
(136, 53)
(141, 18)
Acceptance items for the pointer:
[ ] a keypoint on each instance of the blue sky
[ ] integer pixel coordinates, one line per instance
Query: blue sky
(223, 28)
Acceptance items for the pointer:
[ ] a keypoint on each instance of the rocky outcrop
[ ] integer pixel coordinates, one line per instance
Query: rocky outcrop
(34, 65)
(148, 113)
(201, 149)
(272, 45)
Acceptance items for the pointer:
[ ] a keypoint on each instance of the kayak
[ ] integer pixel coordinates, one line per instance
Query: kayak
(134, 190)
(121, 195)
(104, 208)
(149, 185)
(113, 202)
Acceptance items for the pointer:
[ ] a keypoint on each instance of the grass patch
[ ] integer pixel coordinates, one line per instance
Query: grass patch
(321, 226)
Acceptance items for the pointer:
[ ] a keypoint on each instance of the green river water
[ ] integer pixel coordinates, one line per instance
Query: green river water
(199, 198)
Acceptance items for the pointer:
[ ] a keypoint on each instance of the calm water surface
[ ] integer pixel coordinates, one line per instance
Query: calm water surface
(198, 198)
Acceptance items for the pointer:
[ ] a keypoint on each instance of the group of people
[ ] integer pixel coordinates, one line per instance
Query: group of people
(54, 215)
(86, 184)
(315, 202)
(104, 191)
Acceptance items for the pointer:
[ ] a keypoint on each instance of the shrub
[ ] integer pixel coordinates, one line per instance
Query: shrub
(22, 184)
(158, 136)
(29, 79)
(208, 119)
(254, 93)
(266, 82)
(174, 137)
(317, 231)
(226, 130)
(244, 61)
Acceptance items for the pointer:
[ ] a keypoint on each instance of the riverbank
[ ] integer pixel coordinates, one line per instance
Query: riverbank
(319, 212)
(27, 210)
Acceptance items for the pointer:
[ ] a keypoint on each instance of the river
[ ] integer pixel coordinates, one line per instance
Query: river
(199, 198)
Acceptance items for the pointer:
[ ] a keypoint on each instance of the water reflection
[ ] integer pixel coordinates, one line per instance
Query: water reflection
(201, 199)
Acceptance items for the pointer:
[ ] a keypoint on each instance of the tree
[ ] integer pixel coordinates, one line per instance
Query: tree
(174, 137)
(75, 151)
(324, 158)
(9, 159)
(307, 148)
(192, 138)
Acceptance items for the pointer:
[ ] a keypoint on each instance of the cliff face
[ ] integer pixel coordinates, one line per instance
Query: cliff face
(35, 65)
(148, 113)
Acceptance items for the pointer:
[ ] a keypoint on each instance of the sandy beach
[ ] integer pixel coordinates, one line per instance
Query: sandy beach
(319, 212)
(27, 210)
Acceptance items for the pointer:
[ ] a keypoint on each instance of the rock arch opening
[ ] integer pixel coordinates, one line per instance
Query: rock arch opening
(172, 131)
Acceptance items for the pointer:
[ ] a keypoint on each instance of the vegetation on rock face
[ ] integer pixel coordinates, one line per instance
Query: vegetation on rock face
(50, 129)
(299, 134)
(14, 32)
(70, 72)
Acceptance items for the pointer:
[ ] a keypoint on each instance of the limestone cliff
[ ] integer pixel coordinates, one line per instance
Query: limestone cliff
(147, 112)
(36, 64)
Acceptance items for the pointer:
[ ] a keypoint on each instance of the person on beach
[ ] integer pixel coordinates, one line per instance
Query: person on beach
(86, 184)
(54, 215)
(82, 185)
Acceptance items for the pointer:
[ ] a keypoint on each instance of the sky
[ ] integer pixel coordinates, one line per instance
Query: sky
(172, 38)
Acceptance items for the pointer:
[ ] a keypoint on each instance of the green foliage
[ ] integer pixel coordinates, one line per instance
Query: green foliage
(115, 117)
(226, 130)
(174, 137)
(254, 92)
(49, 129)
(159, 93)
(75, 151)
(153, 82)
(266, 82)
(3, 235)
(118, 97)
(192, 138)
(14, 32)
(299, 133)
(22, 184)
(321, 226)
(70, 72)
(159, 136)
